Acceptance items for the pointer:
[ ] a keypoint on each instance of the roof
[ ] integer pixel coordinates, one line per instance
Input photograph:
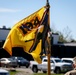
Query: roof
(3, 70)
(67, 59)
(67, 44)
(5, 29)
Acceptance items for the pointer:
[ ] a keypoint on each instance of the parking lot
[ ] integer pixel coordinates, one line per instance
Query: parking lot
(22, 71)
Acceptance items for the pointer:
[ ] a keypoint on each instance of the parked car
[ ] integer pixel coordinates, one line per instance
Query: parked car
(4, 72)
(8, 62)
(57, 65)
(35, 67)
(68, 60)
(21, 61)
(13, 63)
(61, 66)
(4, 61)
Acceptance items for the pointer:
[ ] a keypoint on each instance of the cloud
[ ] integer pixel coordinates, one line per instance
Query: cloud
(8, 10)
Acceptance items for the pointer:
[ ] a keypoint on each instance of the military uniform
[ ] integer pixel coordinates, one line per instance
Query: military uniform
(72, 72)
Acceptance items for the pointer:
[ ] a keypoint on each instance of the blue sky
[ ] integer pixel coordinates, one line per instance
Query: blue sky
(62, 13)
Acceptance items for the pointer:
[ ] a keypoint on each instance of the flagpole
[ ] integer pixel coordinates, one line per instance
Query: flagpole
(49, 48)
(47, 3)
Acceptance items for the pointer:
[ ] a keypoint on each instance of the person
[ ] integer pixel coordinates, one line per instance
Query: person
(72, 72)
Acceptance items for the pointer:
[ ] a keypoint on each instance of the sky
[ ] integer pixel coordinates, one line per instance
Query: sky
(62, 13)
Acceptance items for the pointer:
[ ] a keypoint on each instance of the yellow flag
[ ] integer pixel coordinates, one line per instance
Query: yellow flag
(27, 34)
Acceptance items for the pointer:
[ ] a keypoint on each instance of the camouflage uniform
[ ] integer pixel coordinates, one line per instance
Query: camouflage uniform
(72, 72)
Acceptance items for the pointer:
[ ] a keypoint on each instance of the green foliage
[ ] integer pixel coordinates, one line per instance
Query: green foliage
(13, 72)
(62, 39)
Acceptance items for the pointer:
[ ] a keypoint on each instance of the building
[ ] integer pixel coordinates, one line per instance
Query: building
(3, 34)
(57, 49)
(16, 51)
(62, 49)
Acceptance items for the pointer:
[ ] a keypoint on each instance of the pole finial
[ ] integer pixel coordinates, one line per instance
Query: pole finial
(47, 3)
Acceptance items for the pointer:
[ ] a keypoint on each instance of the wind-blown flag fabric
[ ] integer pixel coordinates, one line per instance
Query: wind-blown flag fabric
(30, 33)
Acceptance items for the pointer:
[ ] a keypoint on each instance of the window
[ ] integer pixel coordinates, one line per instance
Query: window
(68, 61)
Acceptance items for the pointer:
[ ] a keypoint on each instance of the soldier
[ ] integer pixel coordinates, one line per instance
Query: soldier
(72, 72)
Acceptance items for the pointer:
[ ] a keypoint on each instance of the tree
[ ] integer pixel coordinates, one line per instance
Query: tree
(67, 33)
(61, 37)
(4, 27)
(64, 35)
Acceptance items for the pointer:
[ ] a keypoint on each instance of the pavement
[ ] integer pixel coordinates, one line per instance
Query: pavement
(22, 71)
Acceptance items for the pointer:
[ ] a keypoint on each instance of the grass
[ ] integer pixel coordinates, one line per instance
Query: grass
(45, 74)
(13, 72)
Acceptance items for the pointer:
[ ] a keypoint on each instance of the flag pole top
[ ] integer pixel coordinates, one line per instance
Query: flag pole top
(47, 3)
